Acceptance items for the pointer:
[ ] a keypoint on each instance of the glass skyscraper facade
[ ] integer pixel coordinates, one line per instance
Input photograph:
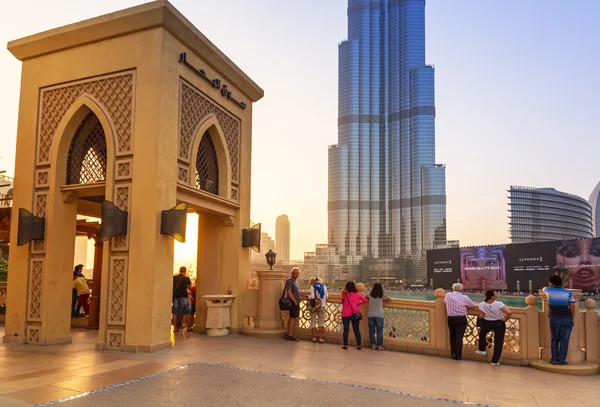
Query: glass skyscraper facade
(387, 195)
(595, 204)
(541, 214)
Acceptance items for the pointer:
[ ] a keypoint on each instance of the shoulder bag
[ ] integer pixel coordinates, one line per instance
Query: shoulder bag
(285, 304)
(356, 315)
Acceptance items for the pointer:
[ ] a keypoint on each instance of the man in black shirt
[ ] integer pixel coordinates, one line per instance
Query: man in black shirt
(181, 283)
(292, 290)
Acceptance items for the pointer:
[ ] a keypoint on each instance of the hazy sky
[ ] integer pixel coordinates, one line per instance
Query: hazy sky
(516, 94)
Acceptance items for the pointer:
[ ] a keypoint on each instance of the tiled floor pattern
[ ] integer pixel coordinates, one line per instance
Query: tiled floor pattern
(35, 374)
(232, 386)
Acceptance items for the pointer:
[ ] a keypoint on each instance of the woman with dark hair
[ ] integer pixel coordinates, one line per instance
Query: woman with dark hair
(351, 301)
(492, 315)
(375, 299)
(582, 258)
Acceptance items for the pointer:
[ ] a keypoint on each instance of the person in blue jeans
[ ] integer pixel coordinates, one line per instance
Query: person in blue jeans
(376, 298)
(561, 305)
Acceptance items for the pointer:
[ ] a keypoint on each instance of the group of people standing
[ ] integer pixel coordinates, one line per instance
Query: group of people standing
(352, 299)
(493, 315)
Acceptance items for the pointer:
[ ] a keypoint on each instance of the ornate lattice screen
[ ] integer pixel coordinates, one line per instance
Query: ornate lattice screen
(207, 166)
(87, 155)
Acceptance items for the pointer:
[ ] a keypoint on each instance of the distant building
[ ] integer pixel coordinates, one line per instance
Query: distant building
(282, 238)
(6, 189)
(595, 204)
(386, 192)
(541, 214)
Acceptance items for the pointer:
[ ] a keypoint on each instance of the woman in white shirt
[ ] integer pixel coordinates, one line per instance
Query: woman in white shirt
(492, 315)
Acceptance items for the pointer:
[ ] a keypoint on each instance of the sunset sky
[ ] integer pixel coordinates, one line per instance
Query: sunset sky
(516, 95)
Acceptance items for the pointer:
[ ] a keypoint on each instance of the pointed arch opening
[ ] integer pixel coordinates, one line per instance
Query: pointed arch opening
(87, 159)
(210, 161)
(207, 166)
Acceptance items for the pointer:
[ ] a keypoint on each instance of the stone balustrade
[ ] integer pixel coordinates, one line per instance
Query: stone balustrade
(420, 327)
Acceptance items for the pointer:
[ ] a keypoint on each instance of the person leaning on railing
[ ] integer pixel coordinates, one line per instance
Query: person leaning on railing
(317, 301)
(561, 304)
(492, 315)
(376, 314)
(457, 305)
(351, 301)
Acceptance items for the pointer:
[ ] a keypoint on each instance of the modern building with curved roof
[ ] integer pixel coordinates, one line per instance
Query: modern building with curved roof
(541, 214)
(595, 204)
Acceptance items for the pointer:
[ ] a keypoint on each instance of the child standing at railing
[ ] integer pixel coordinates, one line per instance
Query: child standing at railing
(376, 298)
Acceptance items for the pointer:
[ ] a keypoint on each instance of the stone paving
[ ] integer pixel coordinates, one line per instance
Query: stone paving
(35, 375)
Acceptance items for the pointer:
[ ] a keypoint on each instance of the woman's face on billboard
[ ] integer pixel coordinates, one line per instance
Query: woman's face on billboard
(582, 258)
(480, 272)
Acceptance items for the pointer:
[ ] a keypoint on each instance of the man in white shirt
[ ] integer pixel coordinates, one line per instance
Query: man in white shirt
(457, 305)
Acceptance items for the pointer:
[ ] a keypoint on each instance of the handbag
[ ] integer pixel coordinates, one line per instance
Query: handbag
(285, 304)
(356, 316)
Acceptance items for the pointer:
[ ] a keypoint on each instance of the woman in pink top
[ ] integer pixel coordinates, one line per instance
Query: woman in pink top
(351, 301)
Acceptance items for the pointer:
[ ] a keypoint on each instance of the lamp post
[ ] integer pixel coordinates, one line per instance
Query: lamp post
(271, 255)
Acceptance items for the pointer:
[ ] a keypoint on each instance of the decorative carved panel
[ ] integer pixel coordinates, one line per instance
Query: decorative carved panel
(33, 334)
(38, 247)
(34, 303)
(194, 108)
(122, 200)
(117, 290)
(234, 194)
(41, 178)
(115, 92)
(406, 324)
(124, 169)
(41, 200)
(115, 339)
(333, 317)
(184, 174)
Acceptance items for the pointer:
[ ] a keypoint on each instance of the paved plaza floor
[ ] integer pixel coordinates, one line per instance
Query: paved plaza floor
(238, 370)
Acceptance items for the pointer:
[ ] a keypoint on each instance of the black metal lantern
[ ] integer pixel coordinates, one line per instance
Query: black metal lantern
(271, 255)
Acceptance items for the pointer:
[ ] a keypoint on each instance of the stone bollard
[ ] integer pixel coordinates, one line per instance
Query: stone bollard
(533, 328)
(592, 341)
(441, 338)
(218, 314)
(269, 321)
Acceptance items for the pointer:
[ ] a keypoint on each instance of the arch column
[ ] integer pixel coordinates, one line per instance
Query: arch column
(207, 264)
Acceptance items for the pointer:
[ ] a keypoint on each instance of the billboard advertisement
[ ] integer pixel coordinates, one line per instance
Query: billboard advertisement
(483, 267)
(529, 265)
(517, 267)
(443, 267)
(582, 258)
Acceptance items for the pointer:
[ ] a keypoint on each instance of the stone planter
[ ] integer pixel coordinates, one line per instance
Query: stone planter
(218, 314)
